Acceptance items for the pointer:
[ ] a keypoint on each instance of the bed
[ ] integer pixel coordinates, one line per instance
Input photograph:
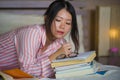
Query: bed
(14, 14)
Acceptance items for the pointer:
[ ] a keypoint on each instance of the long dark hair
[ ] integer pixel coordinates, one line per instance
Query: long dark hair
(52, 11)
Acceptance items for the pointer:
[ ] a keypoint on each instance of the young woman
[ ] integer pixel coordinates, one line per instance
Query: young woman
(32, 48)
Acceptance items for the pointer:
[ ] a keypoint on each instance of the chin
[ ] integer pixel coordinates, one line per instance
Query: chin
(59, 36)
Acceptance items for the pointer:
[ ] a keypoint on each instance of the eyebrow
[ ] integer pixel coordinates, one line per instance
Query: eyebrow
(63, 18)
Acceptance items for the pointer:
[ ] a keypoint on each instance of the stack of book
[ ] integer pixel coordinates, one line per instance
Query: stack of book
(83, 64)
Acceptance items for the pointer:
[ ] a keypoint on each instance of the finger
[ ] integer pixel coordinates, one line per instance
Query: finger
(69, 47)
(67, 44)
(67, 52)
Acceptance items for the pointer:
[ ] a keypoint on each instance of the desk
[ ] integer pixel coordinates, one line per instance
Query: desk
(109, 60)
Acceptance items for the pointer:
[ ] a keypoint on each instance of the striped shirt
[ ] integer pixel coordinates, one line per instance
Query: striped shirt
(21, 48)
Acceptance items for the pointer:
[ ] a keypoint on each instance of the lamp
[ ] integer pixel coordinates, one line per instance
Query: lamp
(113, 37)
(113, 33)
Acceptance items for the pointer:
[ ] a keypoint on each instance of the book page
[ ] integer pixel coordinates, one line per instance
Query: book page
(5, 76)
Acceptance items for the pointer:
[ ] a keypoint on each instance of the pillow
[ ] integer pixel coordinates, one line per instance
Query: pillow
(11, 21)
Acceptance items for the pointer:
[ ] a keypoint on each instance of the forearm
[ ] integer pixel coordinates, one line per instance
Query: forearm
(57, 53)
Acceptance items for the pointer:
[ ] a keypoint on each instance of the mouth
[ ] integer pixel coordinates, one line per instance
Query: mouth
(60, 32)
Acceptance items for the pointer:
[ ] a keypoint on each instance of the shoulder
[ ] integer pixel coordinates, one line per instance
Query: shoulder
(30, 28)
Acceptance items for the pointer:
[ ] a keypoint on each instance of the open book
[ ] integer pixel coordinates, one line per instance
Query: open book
(15, 74)
(81, 58)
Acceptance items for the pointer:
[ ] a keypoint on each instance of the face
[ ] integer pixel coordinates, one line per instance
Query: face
(61, 24)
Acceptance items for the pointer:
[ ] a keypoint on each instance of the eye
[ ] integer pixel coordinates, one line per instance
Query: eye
(68, 23)
(58, 20)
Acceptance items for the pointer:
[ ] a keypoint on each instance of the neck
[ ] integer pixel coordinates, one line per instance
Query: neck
(47, 43)
(50, 38)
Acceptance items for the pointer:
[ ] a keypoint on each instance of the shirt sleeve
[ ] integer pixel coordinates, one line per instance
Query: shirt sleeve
(47, 70)
(28, 42)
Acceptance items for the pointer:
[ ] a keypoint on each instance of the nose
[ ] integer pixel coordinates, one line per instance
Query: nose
(63, 25)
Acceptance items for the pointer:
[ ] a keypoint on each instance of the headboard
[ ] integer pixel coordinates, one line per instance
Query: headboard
(14, 14)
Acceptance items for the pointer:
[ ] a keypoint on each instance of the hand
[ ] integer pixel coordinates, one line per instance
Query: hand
(67, 48)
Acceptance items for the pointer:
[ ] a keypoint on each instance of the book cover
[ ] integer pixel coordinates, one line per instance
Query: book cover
(74, 69)
(17, 73)
(5, 76)
(81, 69)
(72, 66)
(75, 73)
(81, 58)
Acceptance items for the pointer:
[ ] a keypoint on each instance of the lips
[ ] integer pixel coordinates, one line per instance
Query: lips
(60, 32)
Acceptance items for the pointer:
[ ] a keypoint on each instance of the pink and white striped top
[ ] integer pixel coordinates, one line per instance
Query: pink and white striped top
(22, 48)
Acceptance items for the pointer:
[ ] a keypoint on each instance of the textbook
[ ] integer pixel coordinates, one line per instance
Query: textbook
(17, 73)
(91, 65)
(4, 76)
(74, 73)
(81, 58)
(73, 69)
(83, 65)
(77, 71)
